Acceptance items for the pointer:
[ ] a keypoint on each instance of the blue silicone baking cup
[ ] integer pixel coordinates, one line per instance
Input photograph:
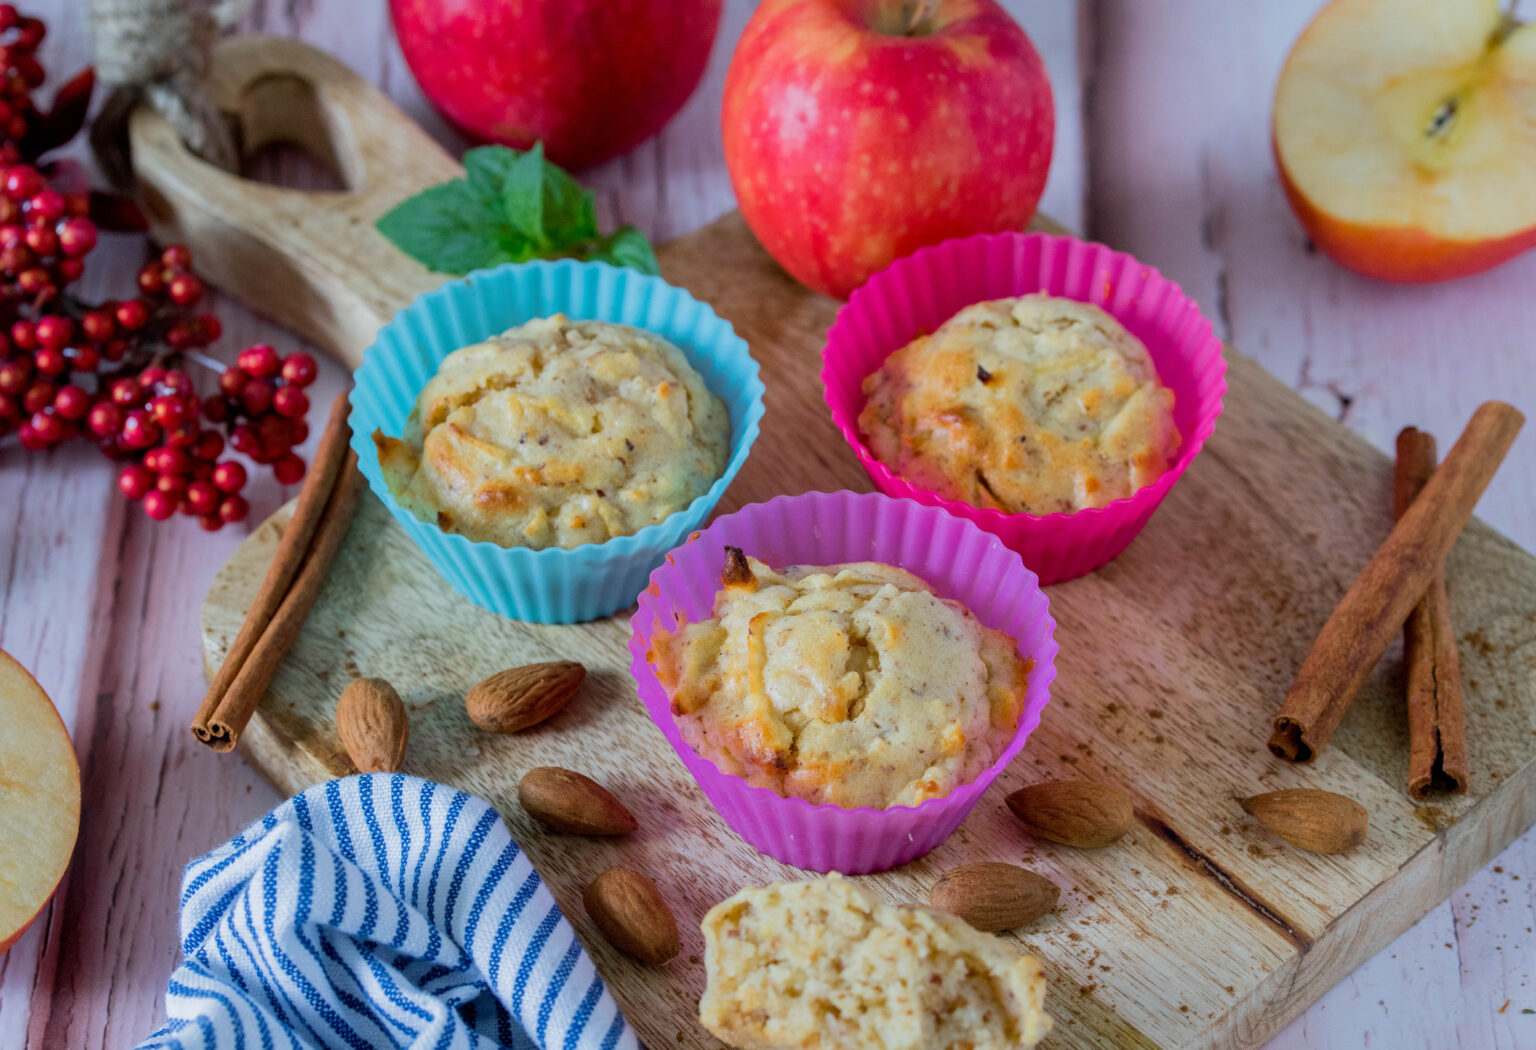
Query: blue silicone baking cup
(554, 585)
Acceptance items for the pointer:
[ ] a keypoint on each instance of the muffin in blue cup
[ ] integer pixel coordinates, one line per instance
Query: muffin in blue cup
(554, 584)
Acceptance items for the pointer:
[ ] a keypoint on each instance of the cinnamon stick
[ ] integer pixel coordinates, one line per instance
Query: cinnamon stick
(1437, 733)
(1379, 601)
(298, 535)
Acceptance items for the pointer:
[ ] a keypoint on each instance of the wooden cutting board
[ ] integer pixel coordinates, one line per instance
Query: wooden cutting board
(1199, 930)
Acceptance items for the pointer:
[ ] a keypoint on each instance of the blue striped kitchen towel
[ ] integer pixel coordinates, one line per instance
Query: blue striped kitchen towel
(379, 911)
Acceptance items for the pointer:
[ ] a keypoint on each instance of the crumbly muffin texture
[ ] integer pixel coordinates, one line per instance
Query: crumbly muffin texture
(1029, 405)
(557, 433)
(827, 965)
(853, 685)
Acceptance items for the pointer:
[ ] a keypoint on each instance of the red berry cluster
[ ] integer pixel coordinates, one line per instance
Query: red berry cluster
(112, 372)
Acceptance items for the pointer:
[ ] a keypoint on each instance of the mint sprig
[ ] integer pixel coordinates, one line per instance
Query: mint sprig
(511, 206)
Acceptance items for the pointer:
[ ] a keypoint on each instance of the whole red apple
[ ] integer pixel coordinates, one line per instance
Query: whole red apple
(857, 131)
(590, 78)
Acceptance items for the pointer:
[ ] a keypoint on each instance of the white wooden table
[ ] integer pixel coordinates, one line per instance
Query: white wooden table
(1162, 150)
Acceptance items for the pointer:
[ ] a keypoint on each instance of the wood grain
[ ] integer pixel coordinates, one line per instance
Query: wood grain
(1167, 679)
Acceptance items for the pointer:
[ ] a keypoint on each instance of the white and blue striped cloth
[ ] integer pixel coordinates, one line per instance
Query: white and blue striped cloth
(379, 911)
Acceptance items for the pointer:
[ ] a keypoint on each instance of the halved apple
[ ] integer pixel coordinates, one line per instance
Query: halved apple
(1405, 132)
(39, 800)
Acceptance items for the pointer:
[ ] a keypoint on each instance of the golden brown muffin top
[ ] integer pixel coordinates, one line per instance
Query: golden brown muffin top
(853, 685)
(1030, 405)
(557, 433)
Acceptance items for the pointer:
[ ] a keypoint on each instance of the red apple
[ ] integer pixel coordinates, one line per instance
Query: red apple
(857, 131)
(1405, 133)
(590, 78)
(39, 800)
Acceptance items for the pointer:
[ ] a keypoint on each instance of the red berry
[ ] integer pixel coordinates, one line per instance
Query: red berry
(260, 361)
(38, 396)
(22, 182)
(34, 281)
(169, 409)
(132, 315)
(298, 430)
(183, 434)
(53, 332)
(209, 446)
(105, 419)
(233, 380)
(48, 427)
(245, 441)
(203, 497)
(15, 257)
(173, 485)
(42, 240)
(276, 434)
(150, 280)
(84, 358)
(179, 336)
(177, 381)
(10, 409)
(115, 349)
(185, 289)
(172, 461)
(135, 481)
(257, 396)
(202, 470)
(98, 326)
(46, 204)
(176, 256)
(139, 429)
(229, 476)
(299, 369)
(72, 402)
(70, 269)
(209, 328)
(215, 408)
(125, 392)
(14, 376)
(211, 522)
(8, 16)
(77, 236)
(24, 335)
(51, 362)
(290, 401)
(158, 505)
(288, 469)
(151, 376)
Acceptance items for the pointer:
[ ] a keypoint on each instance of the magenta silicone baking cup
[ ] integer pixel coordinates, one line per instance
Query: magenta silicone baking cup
(916, 294)
(959, 560)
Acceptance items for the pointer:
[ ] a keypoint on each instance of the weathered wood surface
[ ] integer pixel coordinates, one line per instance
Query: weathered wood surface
(1201, 930)
(101, 603)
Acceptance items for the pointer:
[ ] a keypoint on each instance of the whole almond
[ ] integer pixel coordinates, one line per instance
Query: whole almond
(573, 804)
(992, 896)
(371, 722)
(514, 699)
(633, 915)
(1309, 819)
(1079, 813)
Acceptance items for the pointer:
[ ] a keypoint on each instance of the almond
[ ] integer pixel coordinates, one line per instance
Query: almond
(513, 700)
(1309, 819)
(371, 722)
(573, 804)
(993, 896)
(633, 915)
(1078, 813)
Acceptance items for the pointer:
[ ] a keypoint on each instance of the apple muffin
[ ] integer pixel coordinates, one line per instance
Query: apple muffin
(848, 685)
(557, 433)
(825, 963)
(1033, 405)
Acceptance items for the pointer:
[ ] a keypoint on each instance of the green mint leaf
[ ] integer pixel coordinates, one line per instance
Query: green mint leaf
(570, 215)
(522, 195)
(447, 228)
(485, 169)
(625, 246)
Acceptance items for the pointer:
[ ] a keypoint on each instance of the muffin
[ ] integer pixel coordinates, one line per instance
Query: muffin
(1035, 405)
(827, 964)
(558, 433)
(850, 685)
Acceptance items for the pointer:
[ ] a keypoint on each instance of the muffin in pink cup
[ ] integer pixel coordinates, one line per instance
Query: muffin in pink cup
(915, 296)
(959, 562)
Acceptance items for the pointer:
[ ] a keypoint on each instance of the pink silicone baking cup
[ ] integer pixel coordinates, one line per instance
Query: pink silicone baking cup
(959, 560)
(916, 294)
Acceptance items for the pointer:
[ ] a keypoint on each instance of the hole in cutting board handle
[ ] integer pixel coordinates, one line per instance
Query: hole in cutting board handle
(290, 138)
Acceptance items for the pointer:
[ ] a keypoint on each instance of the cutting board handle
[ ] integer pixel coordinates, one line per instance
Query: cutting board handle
(311, 260)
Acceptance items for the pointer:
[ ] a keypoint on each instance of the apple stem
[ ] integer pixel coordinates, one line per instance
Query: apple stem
(918, 16)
